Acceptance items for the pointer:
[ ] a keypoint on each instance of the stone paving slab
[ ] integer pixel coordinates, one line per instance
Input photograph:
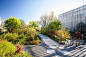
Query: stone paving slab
(65, 50)
(54, 47)
(51, 51)
(39, 50)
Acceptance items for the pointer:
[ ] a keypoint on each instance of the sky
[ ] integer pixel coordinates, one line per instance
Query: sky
(31, 10)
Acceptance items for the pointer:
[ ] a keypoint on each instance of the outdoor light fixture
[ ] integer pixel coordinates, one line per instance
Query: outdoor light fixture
(55, 36)
(62, 37)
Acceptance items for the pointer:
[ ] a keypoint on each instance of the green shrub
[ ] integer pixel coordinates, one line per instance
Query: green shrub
(59, 34)
(32, 33)
(11, 37)
(22, 36)
(0, 31)
(12, 23)
(25, 30)
(44, 31)
(15, 38)
(34, 42)
(6, 48)
(65, 33)
(20, 31)
(23, 54)
(37, 42)
(39, 39)
(23, 39)
(58, 39)
(29, 32)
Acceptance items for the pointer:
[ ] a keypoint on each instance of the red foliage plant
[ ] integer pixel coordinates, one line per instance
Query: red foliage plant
(19, 49)
(51, 32)
(2, 40)
(14, 31)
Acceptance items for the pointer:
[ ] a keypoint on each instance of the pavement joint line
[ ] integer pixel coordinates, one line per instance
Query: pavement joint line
(52, 43)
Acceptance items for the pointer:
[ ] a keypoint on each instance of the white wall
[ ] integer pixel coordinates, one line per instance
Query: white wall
(71, 18)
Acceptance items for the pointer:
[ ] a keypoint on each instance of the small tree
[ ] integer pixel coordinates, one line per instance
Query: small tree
(12, 23)
(23, 23)
(33, 24)
(80, 27)
(55, 25)
(45, 19)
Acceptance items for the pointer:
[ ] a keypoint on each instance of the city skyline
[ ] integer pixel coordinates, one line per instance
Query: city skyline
(30, 10)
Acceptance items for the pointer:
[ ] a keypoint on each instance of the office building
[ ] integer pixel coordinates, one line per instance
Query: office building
(71, 18)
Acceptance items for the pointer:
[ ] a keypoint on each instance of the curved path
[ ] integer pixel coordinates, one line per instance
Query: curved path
(51, 48)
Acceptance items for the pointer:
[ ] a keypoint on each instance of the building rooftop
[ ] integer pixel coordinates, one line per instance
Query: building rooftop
(73, 9)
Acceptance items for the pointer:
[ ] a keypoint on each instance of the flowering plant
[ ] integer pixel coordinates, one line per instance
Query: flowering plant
(14, 31)
(19, 49)
(51, 32)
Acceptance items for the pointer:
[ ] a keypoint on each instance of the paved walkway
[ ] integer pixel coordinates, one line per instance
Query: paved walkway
(50, 48)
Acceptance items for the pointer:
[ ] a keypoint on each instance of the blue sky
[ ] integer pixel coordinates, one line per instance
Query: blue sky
(31, 10)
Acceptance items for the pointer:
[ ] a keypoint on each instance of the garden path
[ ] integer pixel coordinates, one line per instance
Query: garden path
(51, 48)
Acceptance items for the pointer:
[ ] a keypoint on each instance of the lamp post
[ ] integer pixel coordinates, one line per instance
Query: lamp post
(55, 37)
(4, 31)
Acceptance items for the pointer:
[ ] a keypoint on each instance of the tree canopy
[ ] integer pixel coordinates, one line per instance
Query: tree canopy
(34, 24)
(80, 26)
(45, 19)
(55, 25)
(12, 23)
(22, 22)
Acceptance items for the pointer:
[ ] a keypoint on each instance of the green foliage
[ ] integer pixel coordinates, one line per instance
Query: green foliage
(15, 38)
(63, 34)
(44, 30)
(34, 42)
(52, 33)
(22, 21)
(57, 39)
(22, 39)
(12, 23)
(80, 27)
(32, 33)
(11, 37)
(23, 36)
(6, 48)
(20, 31)
(33, 24)
(44, 19)
(55, 25)
(0, 31)
(23, 54)
(28, 31)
